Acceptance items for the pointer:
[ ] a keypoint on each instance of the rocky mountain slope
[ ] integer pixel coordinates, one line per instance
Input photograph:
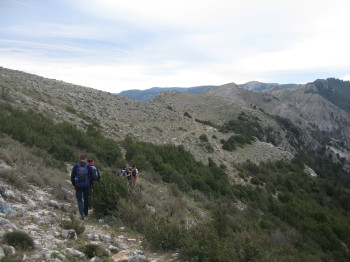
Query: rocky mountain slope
(159, 121)
(164, 120)
(302, 104)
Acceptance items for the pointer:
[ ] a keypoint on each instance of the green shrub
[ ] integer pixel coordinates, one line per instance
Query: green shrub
(202, 244)
(91, 251)
(237, 140)
(203, 138)
(73, 223)
(255, 181)
(14, 179)
(19, 239)
(176, 165)
(209, 148)
(187, 115)
(205, 122)
(107, 193)
(9, 258)
(163, 233)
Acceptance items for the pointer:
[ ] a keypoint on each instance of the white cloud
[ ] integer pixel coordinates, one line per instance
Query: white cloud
(115, 45)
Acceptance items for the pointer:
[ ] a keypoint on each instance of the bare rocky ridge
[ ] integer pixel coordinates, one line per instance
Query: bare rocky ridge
(302, 105)
(314, 108)
(296, 103)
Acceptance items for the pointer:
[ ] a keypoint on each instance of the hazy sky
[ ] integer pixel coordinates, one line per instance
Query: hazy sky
(115, 45)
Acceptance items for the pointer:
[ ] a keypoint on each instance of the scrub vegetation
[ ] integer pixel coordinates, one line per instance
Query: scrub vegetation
(280, 213)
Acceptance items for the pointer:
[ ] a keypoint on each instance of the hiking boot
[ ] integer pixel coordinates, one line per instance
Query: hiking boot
(82, 217)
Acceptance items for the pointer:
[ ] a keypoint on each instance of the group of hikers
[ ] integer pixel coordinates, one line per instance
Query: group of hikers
(83, 176)
(131, 174)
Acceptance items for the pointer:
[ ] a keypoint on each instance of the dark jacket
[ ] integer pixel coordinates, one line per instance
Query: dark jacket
(74, 171)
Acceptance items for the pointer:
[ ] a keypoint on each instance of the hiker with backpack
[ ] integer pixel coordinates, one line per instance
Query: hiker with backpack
(123, 172)
(134, 173)
(82, 179)
(96, 173)
(128, 176)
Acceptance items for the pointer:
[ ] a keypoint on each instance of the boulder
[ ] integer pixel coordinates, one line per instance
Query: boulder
(2, 253)
(5, 223)
(69, 234)
(105, 238)
(75, 253)
(128, 255)
(113, 249)
(9, 250)
(122, 256)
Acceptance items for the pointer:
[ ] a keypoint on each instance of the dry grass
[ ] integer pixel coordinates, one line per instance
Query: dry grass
(32, 166)
(13, 178)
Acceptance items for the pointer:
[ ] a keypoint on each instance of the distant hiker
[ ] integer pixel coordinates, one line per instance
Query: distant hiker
(134, 173)
(123, 172)
(82, 178)
(128, 176)
(96, 176)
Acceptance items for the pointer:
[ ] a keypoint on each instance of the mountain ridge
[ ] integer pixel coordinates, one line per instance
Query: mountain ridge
(149, 94)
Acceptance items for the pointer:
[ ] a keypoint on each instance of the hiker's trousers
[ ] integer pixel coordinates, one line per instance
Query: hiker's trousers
(82, 195)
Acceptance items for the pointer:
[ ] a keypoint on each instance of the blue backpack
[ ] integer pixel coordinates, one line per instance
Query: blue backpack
(82, 176)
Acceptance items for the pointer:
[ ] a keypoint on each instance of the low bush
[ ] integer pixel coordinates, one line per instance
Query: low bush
(107, 193)
(176, 165)
(73, 223)
(165, 234)
(10, 258)
(19, 239)
(91, 251)
(203, 138)
(13, 178)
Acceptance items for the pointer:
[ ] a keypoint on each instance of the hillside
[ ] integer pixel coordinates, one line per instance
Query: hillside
(305, 106)
(222, 177)
(118, 116)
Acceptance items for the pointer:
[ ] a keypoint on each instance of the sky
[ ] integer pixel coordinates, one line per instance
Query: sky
(116, 45)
